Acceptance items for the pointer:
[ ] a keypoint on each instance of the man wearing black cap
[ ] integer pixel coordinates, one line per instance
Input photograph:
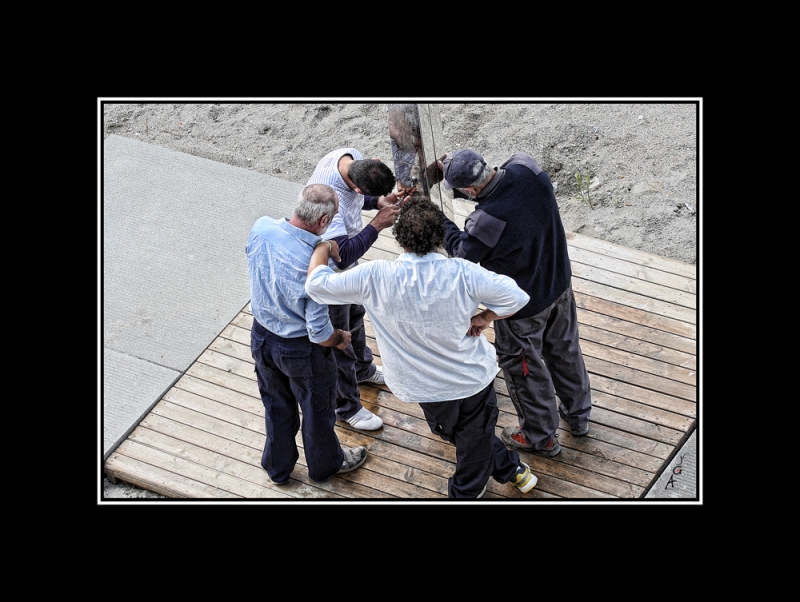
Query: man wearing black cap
(516, 230)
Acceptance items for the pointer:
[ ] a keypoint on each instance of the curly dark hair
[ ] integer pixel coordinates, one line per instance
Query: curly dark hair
(420, 226)
(371, 176)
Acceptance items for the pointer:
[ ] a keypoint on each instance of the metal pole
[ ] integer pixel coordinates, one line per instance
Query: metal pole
(415, 131)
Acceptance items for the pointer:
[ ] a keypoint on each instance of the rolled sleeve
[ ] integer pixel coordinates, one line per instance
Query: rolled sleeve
(318, 323)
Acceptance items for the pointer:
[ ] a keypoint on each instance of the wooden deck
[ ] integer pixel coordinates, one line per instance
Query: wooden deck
(638, 329)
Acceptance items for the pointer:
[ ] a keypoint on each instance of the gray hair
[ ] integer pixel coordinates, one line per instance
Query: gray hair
(314, 201)
(484, 175)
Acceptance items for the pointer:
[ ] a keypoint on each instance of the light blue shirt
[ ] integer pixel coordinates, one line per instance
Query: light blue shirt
(278, 255)
(420, 309)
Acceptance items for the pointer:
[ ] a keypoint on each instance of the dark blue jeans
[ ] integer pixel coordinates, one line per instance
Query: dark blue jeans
(469, 424)
(296, 375)
(354, 362)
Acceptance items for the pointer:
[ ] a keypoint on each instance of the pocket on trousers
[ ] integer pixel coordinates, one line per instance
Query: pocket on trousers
(296, 361)
(510, 358)
(323, 381)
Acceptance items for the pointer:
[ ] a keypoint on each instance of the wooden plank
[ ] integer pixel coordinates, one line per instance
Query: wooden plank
(211, 390)
(156, 479)
(207, 430)
(225, 379)
(642, 317)
(638, 339)
(234, 332)
(635, 271)
(223, 458)
(649, 437)
(227, 363)
(218, 412)
(570, 481)
(221, 484)
(661, 310)
(603, 429)
(643, 364)
(640, 288)
(673, 390)
(642, 258)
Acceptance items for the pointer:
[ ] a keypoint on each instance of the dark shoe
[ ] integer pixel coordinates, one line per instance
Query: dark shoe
(553, 448)
(353, 458)
(579, 431)
(513, 437)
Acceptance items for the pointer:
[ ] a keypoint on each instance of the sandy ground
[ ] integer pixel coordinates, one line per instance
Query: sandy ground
(641, 158)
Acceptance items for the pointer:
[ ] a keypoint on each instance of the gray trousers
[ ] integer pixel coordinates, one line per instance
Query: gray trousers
(541, 357)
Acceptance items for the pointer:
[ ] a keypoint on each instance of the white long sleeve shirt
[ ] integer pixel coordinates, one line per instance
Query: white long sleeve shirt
(420, 308)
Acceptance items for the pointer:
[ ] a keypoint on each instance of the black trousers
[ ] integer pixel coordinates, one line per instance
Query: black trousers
(469, 424)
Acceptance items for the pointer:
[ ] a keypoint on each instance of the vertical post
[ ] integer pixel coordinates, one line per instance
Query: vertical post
(417, 142)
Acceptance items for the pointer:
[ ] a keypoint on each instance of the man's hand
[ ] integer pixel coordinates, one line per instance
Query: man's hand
(345, 339)
(385, 218)
(397, 197)
(339, 339)
(440, 162)
(481, 322)
(478, 324)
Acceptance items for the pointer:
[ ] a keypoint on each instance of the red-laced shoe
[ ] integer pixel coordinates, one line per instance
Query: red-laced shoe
(514, 437)
(552, 449)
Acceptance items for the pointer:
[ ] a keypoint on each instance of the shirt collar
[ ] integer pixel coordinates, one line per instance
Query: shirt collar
(300, 234)
(414, 257)
(491, 185)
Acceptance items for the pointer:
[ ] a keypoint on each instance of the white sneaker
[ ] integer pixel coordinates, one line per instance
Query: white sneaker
(376, 378)
(364, 420)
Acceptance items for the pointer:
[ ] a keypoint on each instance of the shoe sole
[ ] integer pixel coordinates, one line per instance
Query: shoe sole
(549, 453)
(362, 428)
(361, 463)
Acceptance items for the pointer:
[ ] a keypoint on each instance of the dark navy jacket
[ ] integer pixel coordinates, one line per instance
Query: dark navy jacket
(516, 230)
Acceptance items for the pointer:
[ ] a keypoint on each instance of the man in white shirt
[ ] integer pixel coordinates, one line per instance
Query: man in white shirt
(422, 307)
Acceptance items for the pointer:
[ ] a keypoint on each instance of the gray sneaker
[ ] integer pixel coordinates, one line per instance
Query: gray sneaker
(364, 420)
(353, 458)
(376, 378)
